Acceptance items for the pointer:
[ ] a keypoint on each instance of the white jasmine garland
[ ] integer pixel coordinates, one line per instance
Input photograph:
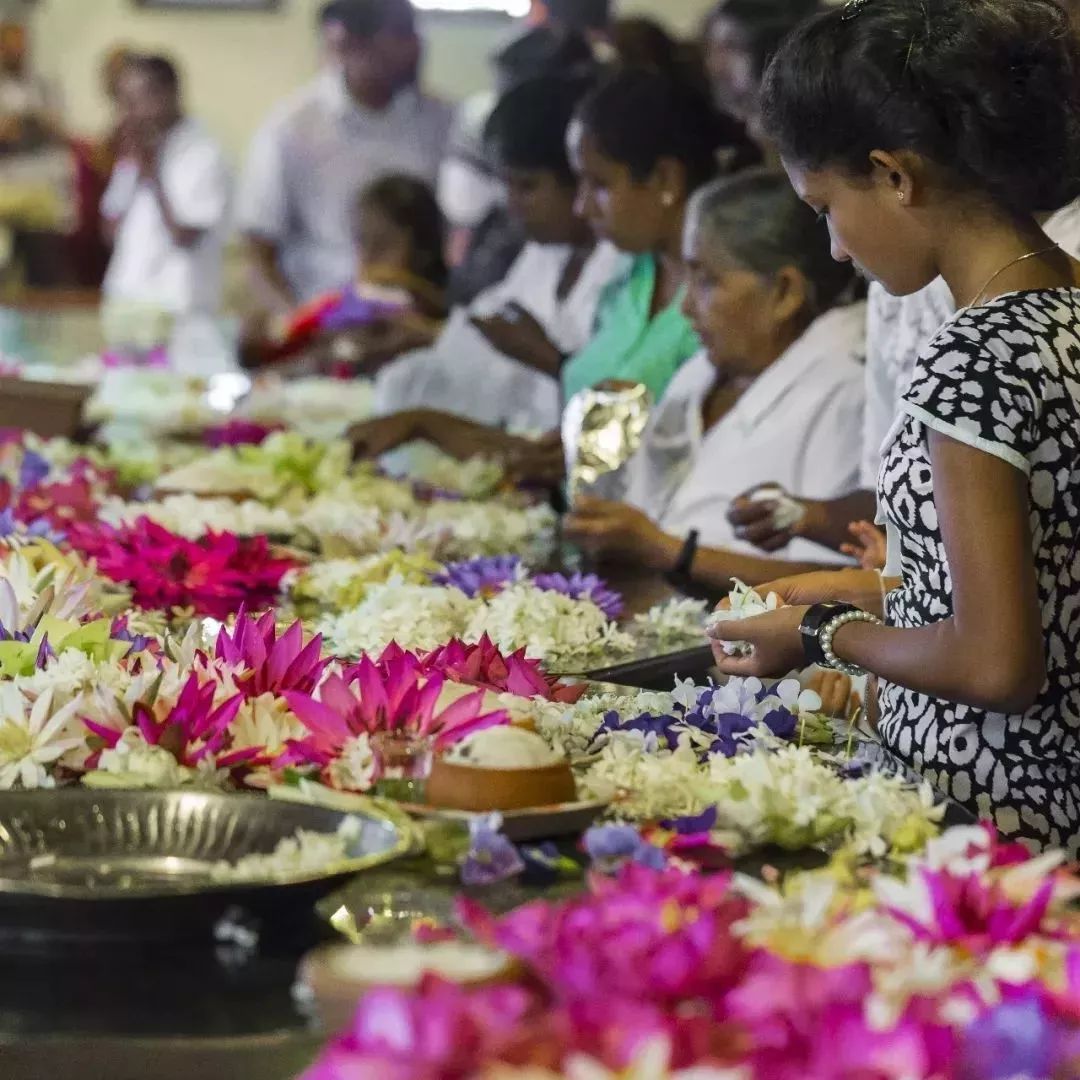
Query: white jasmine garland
(550, 626)
(571, 728)
(305, 854)
(493, 528)
(676, 624)
(317, 407)
(192, 517)
(415, 616)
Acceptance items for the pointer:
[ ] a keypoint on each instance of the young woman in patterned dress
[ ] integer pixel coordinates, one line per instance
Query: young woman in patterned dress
(929, 136)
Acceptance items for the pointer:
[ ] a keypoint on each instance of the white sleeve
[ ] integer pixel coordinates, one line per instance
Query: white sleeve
(830, 462)
(262, 202)
(199, 187)
(120, 193)
(519, 283)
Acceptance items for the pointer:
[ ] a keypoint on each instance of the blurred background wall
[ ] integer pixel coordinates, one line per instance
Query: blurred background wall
(238, 64)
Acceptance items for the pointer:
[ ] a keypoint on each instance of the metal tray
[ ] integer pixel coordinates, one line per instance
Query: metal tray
(649, 671)
(121, 864)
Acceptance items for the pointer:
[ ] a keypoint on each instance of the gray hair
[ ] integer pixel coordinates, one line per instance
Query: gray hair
(756, 218)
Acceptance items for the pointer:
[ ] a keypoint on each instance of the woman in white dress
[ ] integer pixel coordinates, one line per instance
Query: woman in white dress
(776, 394)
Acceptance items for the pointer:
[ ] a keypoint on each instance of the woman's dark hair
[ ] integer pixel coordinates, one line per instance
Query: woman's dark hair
(542, 51)
(641, 42)
(527, 129)
(410, 204)
(757, 219)
(984, 90)
(638, 118)
(580, 14)
(763, 24)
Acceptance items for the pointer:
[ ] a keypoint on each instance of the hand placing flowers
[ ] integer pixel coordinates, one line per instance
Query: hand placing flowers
(775, 644)
(620, 532)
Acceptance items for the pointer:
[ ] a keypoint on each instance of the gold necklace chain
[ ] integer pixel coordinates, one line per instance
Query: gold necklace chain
(1008, 266)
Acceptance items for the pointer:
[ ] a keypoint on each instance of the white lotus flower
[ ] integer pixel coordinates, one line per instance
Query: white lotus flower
(32, 738)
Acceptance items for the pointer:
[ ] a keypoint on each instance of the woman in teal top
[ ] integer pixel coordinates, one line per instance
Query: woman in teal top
(642, 144)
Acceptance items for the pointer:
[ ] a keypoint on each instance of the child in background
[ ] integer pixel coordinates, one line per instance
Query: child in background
(398, 301)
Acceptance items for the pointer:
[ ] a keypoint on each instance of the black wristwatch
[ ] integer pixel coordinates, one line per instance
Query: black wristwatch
(813, 621)
(680, 575)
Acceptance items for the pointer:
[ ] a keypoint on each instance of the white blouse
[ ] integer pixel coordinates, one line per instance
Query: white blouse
(799, 424)
(464, 374)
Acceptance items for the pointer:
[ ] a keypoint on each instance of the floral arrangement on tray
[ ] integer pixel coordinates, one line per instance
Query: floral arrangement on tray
(278, 619)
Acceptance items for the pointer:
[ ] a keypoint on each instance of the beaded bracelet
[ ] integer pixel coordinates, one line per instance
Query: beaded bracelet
(828, 631)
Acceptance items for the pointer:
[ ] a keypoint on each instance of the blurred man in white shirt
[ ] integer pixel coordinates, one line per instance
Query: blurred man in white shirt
(316, 152)
(167, 204)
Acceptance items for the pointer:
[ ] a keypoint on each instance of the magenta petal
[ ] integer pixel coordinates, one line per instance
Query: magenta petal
(320, 719)
(447, 737)
(110, 735)
(283, 653)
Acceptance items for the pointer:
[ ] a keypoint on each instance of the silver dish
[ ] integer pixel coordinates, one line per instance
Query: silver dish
(78, 863)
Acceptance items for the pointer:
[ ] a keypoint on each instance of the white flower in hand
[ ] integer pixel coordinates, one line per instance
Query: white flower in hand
(743, 603)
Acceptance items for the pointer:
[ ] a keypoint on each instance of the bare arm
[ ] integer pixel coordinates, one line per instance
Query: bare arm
(990, 654)
(613, 530)
(269, 286)
(454, 435)
(825, 523)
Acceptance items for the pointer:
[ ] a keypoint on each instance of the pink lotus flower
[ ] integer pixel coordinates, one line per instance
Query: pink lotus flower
(239, 433)
(215, 574)
(663, 937)
(972, 912)
(484, 665)
(438, 1032)
(271, 665)
(808, 1023)
(392, 696)
(193, 730)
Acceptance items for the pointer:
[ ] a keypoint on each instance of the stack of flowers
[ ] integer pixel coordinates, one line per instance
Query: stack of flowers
(965, 966)
(214, 575)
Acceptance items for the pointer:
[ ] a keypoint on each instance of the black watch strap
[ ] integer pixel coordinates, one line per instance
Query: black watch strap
(681, 573)
(813, 621)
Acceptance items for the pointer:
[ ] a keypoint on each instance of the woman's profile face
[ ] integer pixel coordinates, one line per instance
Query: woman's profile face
(730, 307)
(869, 226)
(628, 213)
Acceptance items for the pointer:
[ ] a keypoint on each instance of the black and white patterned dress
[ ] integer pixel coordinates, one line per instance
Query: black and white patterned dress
(1004, 378)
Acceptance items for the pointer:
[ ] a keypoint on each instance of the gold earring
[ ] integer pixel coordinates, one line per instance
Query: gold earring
(900, 196)
(667, 199)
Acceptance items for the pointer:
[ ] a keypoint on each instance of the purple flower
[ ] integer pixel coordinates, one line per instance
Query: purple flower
(609, 846)
(491, 857)
(1016, 1038)
(481, 577)
(33, 471)
(37, 530)
(662, 729)
(120, 632)
(583, 587)
(704, 822)
(44, 654)
(355, 310)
